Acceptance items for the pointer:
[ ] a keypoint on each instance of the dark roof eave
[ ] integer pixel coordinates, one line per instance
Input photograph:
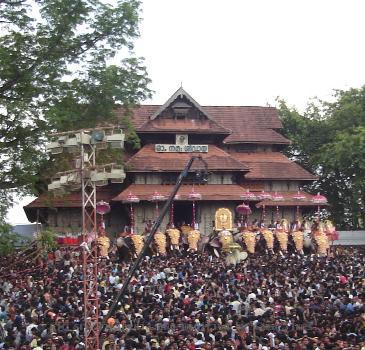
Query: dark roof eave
(177, 171)
(258, 142)
(289, 204)
(282, 178)
(188, 131)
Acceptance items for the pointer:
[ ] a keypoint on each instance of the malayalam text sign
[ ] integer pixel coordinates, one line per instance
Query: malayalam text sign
(160, 148)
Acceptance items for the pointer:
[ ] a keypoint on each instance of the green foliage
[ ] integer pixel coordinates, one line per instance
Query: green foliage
(8, 240)
(47, 240)
(330, 141)
(54, 76)
(132, 140)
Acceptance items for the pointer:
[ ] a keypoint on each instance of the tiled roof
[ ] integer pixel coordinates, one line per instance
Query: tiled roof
(251, 135)
(182, 125)
(290, 201)
(272, 166)
(139, 115)
(247, 124)
(73, 199)
(232, 116)
(146, 159)
(208, 192)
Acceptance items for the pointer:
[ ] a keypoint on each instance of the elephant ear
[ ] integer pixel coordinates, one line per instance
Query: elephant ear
(237, 237)
(205, 239)
(214, 243)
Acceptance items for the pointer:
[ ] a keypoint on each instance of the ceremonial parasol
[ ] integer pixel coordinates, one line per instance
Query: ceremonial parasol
(131, 198)
(156, 198)
(276, 197)
(172, 211)
(249, 196)
(299, 197)
(319, 199)
(194, 196)
(102, 208)
(264, 196)
(243, 210)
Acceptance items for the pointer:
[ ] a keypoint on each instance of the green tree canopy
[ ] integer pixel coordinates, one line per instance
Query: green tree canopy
(329, 140)
(54, 76)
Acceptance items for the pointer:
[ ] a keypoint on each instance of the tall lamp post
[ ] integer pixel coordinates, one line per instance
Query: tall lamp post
(88, 177)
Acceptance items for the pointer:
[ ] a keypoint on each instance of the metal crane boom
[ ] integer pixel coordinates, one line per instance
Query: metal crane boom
(149, 237)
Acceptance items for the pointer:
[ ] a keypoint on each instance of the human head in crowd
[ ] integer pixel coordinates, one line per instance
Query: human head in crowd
(191, 301)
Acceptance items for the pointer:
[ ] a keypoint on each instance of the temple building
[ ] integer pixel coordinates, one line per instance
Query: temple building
(242, 147)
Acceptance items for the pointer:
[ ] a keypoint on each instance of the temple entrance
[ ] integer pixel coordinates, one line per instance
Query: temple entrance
(183, 213)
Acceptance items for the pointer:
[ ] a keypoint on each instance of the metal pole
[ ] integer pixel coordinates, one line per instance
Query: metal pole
(149, 237)
(89, 256)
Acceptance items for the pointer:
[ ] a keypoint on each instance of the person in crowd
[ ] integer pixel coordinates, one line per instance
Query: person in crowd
(191, 301)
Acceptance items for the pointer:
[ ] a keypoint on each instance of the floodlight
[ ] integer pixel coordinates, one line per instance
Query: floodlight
(98, 139)
(62, 140)
(54, 148)
(71, 145)
(116, 140)
(83, 138)
(73, 179)
(116, 175)
(99, 178)
(54, 185)
(64, 180)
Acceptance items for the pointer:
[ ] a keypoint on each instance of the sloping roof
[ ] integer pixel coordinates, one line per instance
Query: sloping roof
(247, 124)
(208, 192)
(206, 126)
(251, 135)
(72, 199)
(180, 93)
(288, 204)
(272, 166)
(138, 115)
(244, 116)
(146, 159)
(290, 201)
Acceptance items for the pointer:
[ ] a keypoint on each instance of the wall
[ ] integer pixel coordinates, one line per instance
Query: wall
(69, 220)
(205, 214)
(351, 238)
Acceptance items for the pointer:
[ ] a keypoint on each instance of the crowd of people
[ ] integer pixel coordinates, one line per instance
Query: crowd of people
(190, 300)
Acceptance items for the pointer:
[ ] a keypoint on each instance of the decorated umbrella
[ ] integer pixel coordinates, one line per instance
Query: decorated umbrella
(102, 208)
(156, 198)
(264, 196)
(249, 196)
(243, 210)
(299, 197)
(194, 196)
(172, 211)
(276, 197)
(319, 199)
(131, 198)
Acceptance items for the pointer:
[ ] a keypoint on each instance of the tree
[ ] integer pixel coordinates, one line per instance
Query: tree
(8, 240)
(54, 76)
(329, 140)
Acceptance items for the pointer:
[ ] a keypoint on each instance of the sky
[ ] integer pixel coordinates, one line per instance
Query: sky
(240, 52)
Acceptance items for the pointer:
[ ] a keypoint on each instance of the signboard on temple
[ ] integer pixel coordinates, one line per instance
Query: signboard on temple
(160, 148)
(181, 146)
